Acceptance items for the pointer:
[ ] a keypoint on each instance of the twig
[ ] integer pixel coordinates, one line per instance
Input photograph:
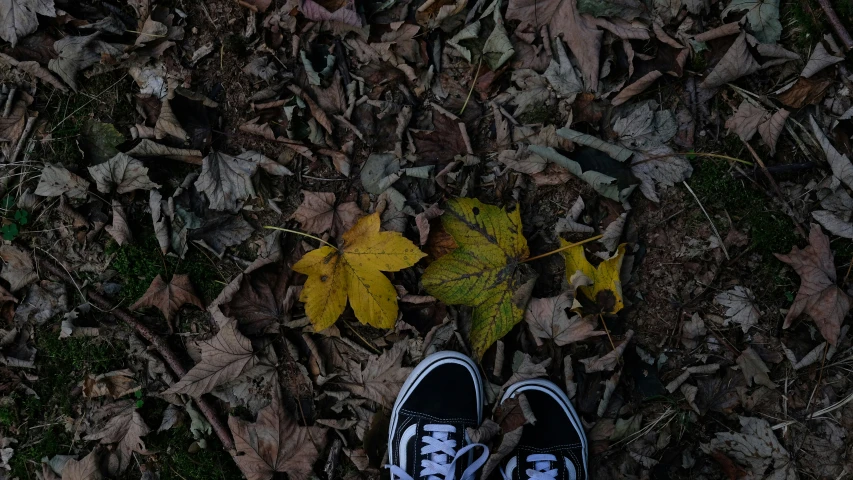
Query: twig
(10, 101)
(776, 188)
(24, 140)
(713, 227)
(473, 83)
(159, 343)
(836, 24)
(571, 245)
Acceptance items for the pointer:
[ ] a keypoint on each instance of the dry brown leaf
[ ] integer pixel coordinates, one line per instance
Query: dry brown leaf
(226, 180)
(85, 469)
(746, 120)
(18, 17)
(332, 10)
(276, 443)
(224, 357)
(608, 362)
(381, 378)
(754, 369)
(740, 307)
(562, 18)
(119, 230)
(757, 448)
(819, 59)
(167, 122)
(17, 267)
(12, 126)
(125, 428)
(36, 70)
(57, 180)
(806, 91)
(771, 129)
(261, 301)
(318, 213)
(819, 297)
(637, 87)
(737, 62)
(7, 305)
(547, 319)
(169, 297)
(841, 166)
(122, 173)
(442, 144)
(422, 220)
(148, 148)
(115, 384)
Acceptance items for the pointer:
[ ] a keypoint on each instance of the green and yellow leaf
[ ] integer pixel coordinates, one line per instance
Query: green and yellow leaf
(605, 287)
(354, 272)
(485, 271)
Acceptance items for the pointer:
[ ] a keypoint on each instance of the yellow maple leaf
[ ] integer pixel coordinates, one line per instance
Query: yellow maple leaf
(354, 271)
(485, 271)
(604, 278)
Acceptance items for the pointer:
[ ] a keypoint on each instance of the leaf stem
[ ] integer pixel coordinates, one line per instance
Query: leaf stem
(297, 232)
(571, 245)
(473, 82)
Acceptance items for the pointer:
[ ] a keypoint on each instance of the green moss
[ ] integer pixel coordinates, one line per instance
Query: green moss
(770, 231)
(139, 263)
(808, 22)
(102, 97)
(174, 460)
(539, 113)
(60, 364)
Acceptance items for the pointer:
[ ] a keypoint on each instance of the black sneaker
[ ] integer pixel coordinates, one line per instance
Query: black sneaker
(555, 447)
(427, 439)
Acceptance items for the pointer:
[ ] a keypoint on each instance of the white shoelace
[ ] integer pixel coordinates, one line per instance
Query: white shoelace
(541, 467)
(441, 464)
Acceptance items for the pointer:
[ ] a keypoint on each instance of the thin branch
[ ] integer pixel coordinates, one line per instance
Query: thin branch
(158, 342)
(836, 24)
(713, 227)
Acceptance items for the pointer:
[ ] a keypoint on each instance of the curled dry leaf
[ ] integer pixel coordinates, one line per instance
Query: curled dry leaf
(819, 297)
(276, 443)
(224, 357)
(484, 272)
(119, 230)
(319, 213)
(354, 272)
(547, 319)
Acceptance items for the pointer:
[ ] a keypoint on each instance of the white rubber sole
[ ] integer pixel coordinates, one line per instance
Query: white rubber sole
(428, 364)
(551, 389)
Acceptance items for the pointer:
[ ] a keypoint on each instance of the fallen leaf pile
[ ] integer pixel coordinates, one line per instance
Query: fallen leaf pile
(230, 230)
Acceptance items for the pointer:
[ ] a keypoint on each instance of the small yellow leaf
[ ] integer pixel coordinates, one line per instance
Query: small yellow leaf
(485, 271)
(605, 277)
(354, 271)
